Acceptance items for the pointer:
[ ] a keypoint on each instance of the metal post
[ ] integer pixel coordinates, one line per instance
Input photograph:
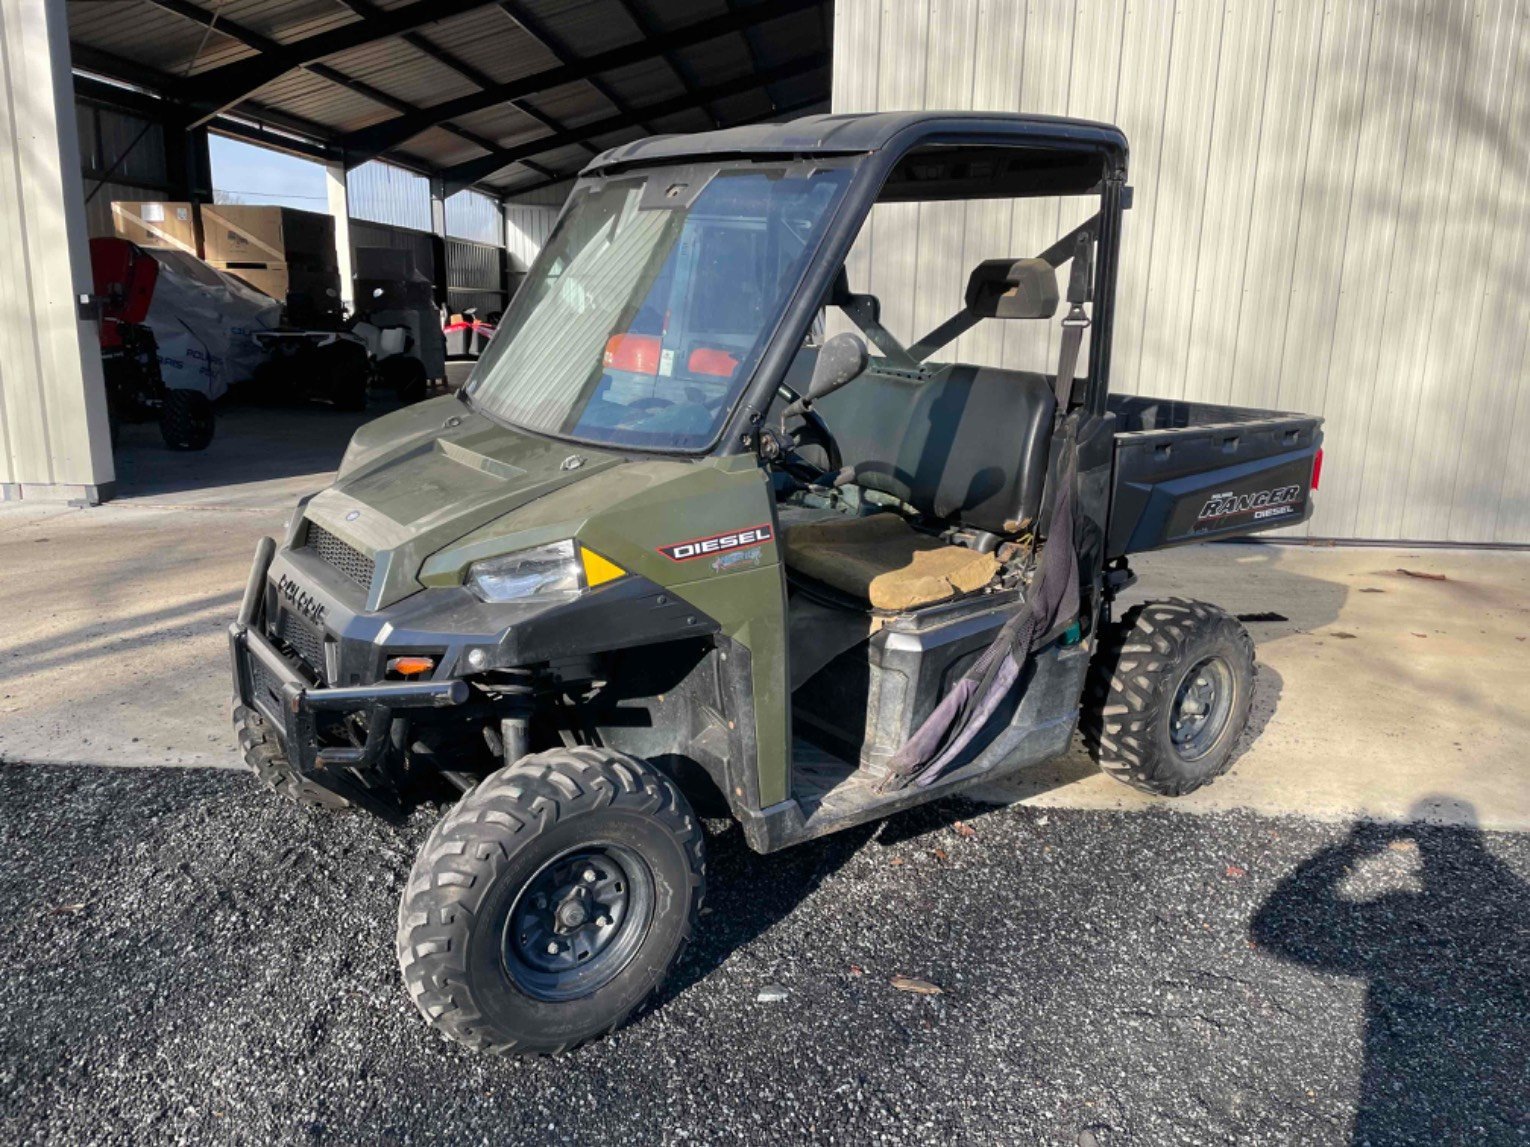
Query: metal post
(340, 208)
(54, 436)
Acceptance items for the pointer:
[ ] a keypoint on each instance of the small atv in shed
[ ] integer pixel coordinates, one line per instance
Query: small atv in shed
(670, 549)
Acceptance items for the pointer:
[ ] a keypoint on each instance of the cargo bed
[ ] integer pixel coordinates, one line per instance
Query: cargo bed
(1193, 471)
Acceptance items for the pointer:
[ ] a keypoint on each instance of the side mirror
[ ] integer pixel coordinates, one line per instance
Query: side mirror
(840, 360)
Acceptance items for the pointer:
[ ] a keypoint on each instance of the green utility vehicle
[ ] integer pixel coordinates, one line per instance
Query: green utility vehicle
(671, 549)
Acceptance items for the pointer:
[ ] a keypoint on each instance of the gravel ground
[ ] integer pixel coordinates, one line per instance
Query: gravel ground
(188, 959)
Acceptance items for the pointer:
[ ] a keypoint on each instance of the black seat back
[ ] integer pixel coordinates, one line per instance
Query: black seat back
(965, 444)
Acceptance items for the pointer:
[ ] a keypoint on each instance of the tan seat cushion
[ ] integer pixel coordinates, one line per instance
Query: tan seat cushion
(883, 560)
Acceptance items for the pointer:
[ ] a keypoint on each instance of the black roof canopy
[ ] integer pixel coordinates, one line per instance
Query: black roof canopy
(505, 96)
(850, 134)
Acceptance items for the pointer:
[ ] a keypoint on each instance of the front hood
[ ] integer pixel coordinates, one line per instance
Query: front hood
(421, 478)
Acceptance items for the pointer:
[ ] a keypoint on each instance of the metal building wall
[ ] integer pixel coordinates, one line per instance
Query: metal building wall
(122, 157)
(473, 215)
(382, 193)
(53, 427)
(1332, 215)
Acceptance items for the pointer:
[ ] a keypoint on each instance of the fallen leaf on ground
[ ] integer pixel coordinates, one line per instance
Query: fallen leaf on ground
(1403, 845)
(962, 828)
(895, 861)
(1422, 574)
(1236, 871)
(772, 994)
(66, 910)
(1371, 589)
(917, 986)
(1339, 633)
(940, 854)
(1420, 634)
(857, 970)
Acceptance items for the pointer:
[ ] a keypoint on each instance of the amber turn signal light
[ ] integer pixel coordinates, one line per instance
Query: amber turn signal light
(411, 666)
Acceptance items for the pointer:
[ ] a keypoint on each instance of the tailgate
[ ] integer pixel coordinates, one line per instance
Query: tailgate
(1193, 471)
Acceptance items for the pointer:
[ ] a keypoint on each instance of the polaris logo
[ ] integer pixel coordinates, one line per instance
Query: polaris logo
(300, 601)
(1262, 504)
(716, 544)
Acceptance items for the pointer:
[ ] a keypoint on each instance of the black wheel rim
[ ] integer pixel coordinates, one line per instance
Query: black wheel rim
(1202, 706)
(578, 921)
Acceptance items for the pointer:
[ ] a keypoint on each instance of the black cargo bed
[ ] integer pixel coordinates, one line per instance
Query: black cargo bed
(1194, 471)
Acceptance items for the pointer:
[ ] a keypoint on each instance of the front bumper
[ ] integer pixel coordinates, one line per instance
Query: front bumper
(275, 686)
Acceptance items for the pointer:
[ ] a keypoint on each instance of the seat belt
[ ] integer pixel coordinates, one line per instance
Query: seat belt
(1051, 601)
(1074, 323)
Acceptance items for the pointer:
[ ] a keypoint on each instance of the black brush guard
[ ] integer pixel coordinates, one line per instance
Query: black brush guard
(337, 768)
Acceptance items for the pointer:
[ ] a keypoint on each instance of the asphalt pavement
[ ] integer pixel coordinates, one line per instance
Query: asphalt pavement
(189, 959)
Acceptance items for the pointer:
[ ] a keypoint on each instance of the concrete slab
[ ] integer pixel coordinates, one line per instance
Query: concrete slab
(113, 620)
(112, 633)
(260, 458)
(1379, 693)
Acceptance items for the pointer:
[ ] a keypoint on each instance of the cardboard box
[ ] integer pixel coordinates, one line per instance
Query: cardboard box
(157, 224)
(321, 288)
(235, 233)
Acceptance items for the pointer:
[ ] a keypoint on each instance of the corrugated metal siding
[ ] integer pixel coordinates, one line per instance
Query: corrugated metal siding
(526, 228)
(473, 215)
(107, 144)
(1332, 215)
(53, 431)
(420, 243)
(382, 193)
(475, 276)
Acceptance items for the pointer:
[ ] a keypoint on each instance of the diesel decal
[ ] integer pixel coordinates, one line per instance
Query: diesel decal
(300, 600)
(1264, 504)
(716, 544)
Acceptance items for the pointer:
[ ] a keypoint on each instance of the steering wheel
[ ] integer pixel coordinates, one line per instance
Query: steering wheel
(812, 430)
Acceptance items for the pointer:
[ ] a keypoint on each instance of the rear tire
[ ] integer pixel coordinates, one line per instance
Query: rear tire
(550, 903)
(186, 420)
(403, 375)
(1168, 696)
(263, 754)
(344, 366)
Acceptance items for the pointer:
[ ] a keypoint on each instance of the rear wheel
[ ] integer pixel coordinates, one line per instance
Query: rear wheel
(186, 420)
(551, 902)
(346, 370)
(1169, 696)
(403, 375)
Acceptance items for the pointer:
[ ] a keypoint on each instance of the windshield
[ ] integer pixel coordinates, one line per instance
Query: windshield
(641, 321)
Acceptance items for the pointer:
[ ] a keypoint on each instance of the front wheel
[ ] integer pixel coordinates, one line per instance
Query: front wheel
(1169, 695)
(550, 903)
(264, 756)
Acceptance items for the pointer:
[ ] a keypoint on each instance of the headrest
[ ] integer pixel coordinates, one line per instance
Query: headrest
(1013, 289)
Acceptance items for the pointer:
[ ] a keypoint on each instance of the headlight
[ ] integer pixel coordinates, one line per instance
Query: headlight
(551, 573)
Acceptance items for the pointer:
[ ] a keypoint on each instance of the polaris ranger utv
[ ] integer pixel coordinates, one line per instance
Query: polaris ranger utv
(670, 548)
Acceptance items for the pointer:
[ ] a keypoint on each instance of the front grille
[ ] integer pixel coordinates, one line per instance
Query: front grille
(264, 685)
(302, 639)
(342, 555)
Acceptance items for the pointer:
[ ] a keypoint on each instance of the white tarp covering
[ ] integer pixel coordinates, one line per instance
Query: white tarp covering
(202, 321)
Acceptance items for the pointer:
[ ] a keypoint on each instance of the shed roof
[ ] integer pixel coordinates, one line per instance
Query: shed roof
(506, 96)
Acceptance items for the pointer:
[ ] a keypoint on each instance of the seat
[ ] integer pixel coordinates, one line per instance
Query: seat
(883, 560)
(967, 445)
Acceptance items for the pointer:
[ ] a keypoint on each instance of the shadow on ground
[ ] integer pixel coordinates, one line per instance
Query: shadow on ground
(1447, 1038)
